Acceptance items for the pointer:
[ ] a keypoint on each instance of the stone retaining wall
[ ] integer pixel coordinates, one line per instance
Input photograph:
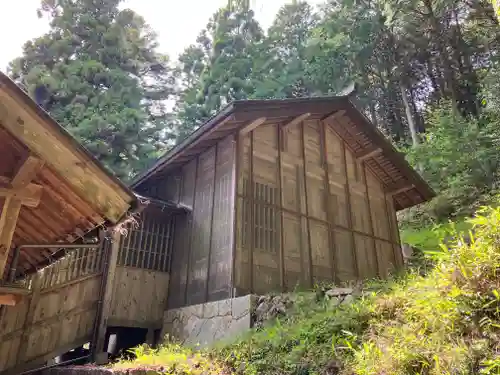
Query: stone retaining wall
(205, 323)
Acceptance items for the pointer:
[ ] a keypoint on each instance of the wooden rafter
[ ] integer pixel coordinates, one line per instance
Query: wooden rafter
(401, 189)
(252, 125)
(369, 154)
(297, 120)
(20, 191)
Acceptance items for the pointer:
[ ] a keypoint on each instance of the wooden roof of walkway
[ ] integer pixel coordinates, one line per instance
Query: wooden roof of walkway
(51, 188)
(361, 136)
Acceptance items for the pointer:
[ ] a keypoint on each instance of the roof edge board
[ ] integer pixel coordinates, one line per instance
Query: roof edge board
(193, 137)
(397, 158)
(11, 86)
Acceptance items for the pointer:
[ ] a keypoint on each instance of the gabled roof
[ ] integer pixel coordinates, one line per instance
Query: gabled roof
(75, 192)
(360, 135)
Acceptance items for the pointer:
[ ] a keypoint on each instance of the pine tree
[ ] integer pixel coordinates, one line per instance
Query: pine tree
(105, 81)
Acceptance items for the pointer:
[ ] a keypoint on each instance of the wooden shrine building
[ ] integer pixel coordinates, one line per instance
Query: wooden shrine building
(268, 195)
(282, 193)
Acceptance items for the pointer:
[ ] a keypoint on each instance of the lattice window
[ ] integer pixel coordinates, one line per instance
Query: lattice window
(266, 216)
(148, 246)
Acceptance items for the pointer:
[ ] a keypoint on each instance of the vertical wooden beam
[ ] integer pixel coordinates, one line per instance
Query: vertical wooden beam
(214, 188)
(251, 200)
(349, 210)
(308, 226)
(190, 233)
(104, 307)
(237, 159)
(394, 232)
(329, 218)
(370, 219)
(36, 287)
(8, 221)
(12, 207)
(279, 134)
(150, 337)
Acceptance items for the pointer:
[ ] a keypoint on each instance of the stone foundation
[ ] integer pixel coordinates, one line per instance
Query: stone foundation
(205, 323)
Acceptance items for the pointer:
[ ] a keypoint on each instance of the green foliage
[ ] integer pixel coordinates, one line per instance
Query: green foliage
(460, 158)
(170, 359)
(444, 323)
(447, 322)
(105, 82)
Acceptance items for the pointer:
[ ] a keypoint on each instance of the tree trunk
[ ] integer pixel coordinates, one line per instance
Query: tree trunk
(447, 69)
(409, 114)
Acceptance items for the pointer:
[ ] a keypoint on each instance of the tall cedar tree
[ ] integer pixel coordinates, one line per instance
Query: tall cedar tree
(104, 80)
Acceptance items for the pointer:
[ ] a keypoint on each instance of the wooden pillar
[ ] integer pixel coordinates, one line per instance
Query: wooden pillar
(237, 160)
(209, 258)
(104, 308)
(281, 252)
(251, 200)
(190, 231)
(370, 220)
(308, 226)
(329, 217)
(150, 337)
(349, 210)
(36, 287)
(17, 192)
(394, 232)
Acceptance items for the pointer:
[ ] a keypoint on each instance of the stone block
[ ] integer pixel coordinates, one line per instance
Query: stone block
(203, 324)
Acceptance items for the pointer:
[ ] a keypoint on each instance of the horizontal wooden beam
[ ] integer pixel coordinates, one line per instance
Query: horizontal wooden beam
(14, 289)
(399, 188)
(27, 172)
(370, 153)
(252, 125)
(42, 136)
(10, 299)
(334, 116)
(29, 195)
(297, 120)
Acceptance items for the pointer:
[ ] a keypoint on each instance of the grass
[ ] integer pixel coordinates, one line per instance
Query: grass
(446, 322)
(429, 238)
(172, 359)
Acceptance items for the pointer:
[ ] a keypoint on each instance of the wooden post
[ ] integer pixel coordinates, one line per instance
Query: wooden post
(251, 200)
(104, 308)
(150, 337)
(235, 186)
(18, 192)
(349, 210)
(394, 232)
(370, 219)
(279, 134)
(190, 233)
(329, 217)
(28, 320)
(308, 226)
(209, 258)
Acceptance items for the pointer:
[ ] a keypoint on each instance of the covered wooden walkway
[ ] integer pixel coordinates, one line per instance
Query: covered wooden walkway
(54, 197)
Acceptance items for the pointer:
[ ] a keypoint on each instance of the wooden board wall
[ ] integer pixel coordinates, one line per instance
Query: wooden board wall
(308, 212)
(57, 316)
(139, 298)
(202, 255)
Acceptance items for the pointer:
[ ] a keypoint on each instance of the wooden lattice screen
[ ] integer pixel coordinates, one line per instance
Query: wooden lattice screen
(149, 244)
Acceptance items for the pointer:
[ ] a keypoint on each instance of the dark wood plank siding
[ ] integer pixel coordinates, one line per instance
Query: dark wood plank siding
(202, 256)
(308, 211)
